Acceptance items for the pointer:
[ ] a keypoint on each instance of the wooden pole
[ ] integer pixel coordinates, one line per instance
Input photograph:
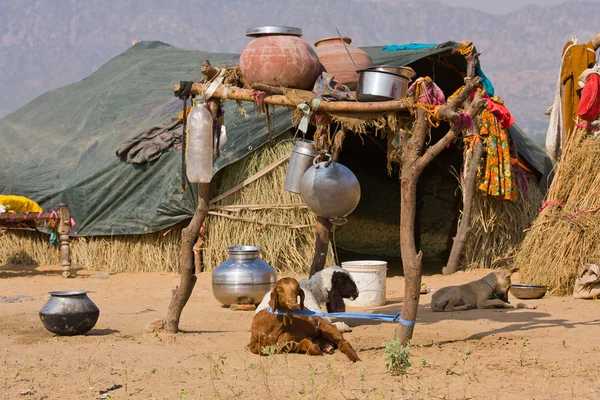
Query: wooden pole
(235, 93)
(464, 226)
(64, 227)
(471, 166)
(189, 237)
(412, 164)
(322, 229)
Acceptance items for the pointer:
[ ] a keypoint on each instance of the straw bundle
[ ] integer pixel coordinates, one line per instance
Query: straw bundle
(498, 226)
(567, 232)
(154, 252)
(261, 214)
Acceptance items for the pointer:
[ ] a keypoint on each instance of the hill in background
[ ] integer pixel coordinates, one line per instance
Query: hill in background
(47, 44)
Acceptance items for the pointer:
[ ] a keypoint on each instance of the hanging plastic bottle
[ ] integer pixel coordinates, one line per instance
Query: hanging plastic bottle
(199, 157)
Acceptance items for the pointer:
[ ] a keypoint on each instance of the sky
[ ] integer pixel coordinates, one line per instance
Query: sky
(502, 6)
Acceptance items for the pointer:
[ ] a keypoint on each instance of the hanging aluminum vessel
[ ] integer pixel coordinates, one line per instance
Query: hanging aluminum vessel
(330, 189)
(244, 278)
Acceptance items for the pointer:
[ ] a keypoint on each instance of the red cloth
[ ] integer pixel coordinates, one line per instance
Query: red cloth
(499, 110)
(589, 104)
(501, 113)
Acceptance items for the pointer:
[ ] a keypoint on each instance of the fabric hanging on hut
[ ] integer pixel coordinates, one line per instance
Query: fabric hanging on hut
(576, 59)
(497, 178)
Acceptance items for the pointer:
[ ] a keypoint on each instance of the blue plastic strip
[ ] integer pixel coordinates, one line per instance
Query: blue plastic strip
(383, 317)
(408, 46)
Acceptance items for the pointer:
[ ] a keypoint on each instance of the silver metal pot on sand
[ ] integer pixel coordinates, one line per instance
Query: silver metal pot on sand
(244, 278)
(69, 313)
(303, 155)
(330, 189)
(383, 83)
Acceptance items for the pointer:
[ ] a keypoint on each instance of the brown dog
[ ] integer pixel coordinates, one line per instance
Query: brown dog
(491, 291)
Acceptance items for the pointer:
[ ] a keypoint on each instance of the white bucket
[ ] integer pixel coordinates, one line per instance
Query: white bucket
(370, 280)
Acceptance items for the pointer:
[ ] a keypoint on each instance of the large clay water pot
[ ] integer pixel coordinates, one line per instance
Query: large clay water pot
(336, 61)
(278, 56)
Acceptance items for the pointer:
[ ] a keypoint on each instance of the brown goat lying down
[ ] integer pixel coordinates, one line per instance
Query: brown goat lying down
(294, 333)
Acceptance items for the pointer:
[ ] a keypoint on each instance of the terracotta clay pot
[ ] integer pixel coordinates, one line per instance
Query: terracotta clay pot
(280, 60)
(336, 61)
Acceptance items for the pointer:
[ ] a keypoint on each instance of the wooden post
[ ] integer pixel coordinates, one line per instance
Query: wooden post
(189, 237)
(470, 165)
(64, 227)
(469, 187)
(322, 229)
(413, 160)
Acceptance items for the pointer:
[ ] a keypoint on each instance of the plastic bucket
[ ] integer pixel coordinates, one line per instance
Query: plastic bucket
(370, 280)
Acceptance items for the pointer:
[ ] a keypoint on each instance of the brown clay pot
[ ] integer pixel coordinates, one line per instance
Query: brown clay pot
(336, 61)
(280, 60)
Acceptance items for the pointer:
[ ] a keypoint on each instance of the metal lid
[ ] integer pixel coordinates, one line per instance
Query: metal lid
(273, 30)
(67, 293)
(406, 72)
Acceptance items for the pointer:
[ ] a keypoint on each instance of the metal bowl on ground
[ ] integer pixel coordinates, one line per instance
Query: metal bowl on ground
(69, 313)
(524, 292)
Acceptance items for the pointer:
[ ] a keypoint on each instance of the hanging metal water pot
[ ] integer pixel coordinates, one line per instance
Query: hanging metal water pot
(330, 189)
(303, 155)
(244, 278)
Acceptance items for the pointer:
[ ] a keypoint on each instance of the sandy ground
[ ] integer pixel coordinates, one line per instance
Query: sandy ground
(549, 352)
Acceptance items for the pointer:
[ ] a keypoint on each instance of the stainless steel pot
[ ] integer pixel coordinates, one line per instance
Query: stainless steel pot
(69, 313)
(244, 278)
(330, 190)
(303, 154)
(381, 84)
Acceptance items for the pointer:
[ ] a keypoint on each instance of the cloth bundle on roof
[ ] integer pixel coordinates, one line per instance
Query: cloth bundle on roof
(150, 144)
(14, 203)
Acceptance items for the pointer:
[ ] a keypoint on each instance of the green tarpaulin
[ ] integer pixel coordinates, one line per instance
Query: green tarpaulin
(60, 148)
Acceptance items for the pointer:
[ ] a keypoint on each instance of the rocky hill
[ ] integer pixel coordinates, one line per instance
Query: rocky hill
(47, 44)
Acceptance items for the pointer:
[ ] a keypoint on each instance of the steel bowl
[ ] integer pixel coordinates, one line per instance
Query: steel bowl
(381, 85)
(273, 30)
(406, 72)
(528, 291)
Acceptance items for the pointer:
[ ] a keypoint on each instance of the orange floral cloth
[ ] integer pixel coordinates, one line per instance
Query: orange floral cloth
(496, 178)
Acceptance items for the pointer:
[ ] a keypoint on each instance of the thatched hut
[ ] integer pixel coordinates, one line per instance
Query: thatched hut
(129, 215)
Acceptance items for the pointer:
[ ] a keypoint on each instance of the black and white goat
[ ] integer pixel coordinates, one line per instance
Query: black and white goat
(330, 286)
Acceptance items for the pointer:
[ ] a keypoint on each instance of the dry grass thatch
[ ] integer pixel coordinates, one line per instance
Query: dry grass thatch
(566, 236)
(261, 214)
(498, 226)
(154, 252)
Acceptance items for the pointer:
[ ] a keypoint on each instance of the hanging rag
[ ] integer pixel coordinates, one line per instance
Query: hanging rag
(496, 178)
(497, 107)
(555, 125)
(328, 89)
(150, 144)
(576, 59)
(589, 105)
(426, 91)
(587, 284)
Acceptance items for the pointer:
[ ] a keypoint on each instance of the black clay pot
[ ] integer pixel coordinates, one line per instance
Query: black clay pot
(69, 313)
